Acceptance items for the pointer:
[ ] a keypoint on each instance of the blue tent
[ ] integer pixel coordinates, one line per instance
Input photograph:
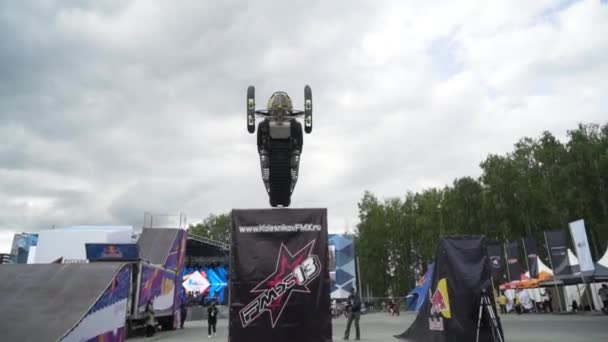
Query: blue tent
(416, 297)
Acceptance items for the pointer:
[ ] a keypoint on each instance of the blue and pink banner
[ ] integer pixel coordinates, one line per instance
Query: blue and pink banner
(177, 254)
(158, 285)
(176, 260)
(105, 321)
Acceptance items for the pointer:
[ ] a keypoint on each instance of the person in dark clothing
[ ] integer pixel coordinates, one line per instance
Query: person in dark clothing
(603, 292)
(183, 311)
(548, 303)
(354, 314)
(212, 318)
(150, 320)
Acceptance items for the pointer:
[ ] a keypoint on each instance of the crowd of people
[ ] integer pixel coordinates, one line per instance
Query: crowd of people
(352, 307)
(196, 298)
(521, 302)
(341, 308)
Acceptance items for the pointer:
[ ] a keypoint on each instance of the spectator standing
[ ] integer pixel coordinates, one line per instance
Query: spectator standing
(150, 320)
(603, 292)
(502, 301)
(354, 314)
(212, 318)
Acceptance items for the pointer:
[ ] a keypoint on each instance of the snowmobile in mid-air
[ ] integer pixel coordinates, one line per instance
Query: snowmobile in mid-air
(280, 142)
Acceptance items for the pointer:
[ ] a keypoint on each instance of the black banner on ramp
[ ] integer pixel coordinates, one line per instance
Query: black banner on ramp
(461, 288)
(279, 280)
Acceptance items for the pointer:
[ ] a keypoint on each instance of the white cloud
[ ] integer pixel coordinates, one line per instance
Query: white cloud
(115, 108)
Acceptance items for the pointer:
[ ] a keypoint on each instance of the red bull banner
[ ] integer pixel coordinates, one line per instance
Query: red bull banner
(279, 278)
(461, 279)
(112, 251)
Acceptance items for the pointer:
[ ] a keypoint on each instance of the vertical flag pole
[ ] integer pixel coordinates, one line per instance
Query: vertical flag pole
(508, 271)
(559, 298)
(523, 241)
(359, 274)
(507, 263)
(495, 293)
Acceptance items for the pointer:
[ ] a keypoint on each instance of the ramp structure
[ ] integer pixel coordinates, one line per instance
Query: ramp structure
(155, 244)
(460, 305)
(64, 302)
(160, 279)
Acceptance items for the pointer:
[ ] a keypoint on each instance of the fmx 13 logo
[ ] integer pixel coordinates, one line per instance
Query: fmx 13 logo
(293, 272)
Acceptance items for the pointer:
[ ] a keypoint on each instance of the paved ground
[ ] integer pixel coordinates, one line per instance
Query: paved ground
(380, 327)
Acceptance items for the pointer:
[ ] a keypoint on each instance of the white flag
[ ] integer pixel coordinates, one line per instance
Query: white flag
(579, 237)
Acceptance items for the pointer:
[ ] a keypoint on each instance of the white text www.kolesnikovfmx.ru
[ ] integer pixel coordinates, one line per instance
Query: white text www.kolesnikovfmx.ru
(270, 228)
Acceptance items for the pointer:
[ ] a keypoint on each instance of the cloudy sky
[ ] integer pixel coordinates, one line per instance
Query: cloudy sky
(112, 108)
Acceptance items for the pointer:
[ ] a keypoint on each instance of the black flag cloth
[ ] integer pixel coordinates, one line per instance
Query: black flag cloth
(513, 263)
(279, 281)
(497, 262)
(557, 245)
(460, 281)
(532, 255)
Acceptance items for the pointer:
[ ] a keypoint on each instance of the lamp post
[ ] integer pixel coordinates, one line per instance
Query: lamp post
(440, 219)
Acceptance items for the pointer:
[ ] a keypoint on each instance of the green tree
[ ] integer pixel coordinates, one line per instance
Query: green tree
(214, 227)
(371, 244)
(543, 184)
(462, 206)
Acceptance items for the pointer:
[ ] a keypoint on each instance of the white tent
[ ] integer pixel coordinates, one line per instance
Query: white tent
(604, 260)
(542, 267)
(578, 292)
(572, 258)
(600, 265)
(536, 294)
(573, 292)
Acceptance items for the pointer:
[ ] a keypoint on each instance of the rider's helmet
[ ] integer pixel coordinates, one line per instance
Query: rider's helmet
(279, 104)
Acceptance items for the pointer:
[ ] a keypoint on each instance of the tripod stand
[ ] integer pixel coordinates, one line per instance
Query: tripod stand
(486, 304)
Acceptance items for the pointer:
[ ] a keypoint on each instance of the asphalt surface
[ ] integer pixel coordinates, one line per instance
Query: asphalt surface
(380, 327)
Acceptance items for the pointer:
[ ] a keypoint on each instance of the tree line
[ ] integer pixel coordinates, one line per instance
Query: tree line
(543, 184)
(214, 227)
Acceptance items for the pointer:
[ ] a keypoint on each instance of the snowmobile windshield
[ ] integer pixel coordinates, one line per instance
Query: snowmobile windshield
(279, 104)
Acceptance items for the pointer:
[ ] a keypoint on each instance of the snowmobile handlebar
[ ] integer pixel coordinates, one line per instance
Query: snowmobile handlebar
(288, 114)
